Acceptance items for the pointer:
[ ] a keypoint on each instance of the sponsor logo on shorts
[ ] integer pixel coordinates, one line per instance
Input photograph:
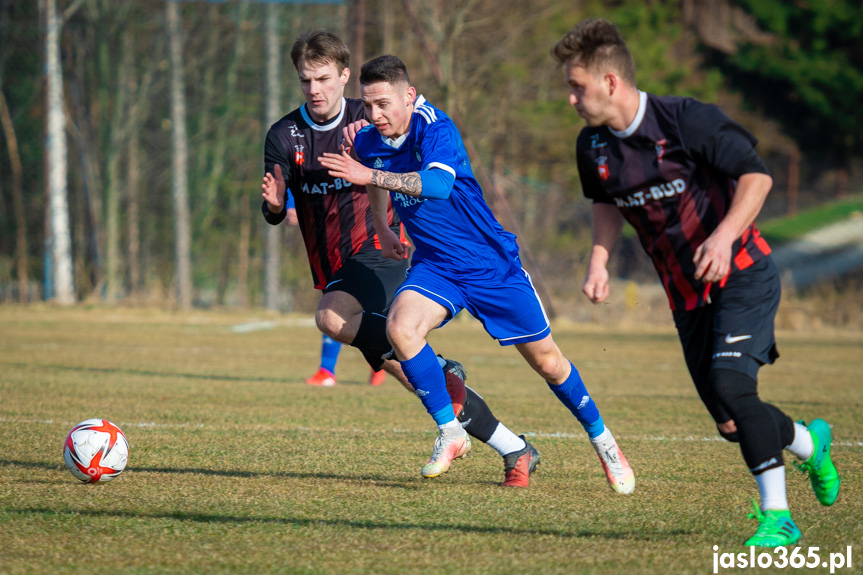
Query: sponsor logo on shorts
(735, 338)
(727, 354)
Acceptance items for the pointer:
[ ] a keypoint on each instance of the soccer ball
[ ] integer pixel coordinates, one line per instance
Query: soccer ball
(96, 451)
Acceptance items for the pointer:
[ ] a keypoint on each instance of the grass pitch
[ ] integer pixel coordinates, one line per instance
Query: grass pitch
(237, 466)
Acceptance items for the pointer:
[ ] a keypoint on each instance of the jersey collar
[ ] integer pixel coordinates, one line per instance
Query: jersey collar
(323, 127)
(397, 143)
(639, 116)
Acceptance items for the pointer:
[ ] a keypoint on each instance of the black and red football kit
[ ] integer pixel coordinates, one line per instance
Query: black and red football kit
(673, 178)
(673, 175)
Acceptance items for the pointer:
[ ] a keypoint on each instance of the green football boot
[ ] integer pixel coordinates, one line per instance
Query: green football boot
(775, 529)
(822, 473)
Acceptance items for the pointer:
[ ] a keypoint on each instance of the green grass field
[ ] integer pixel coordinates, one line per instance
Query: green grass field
(237, 466)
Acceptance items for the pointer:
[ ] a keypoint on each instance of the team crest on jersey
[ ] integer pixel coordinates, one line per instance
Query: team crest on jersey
(299, 157)
(660, 149)
(602, 167)
(419, 157)
(595, 143)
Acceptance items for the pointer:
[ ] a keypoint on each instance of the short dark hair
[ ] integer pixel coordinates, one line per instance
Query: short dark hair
(320, 47)
(384, 69)
(596, 44)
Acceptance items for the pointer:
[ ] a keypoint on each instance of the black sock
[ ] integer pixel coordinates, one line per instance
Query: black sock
(476, 417)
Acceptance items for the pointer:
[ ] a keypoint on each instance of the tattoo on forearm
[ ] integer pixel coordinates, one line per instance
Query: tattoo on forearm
(409, 184)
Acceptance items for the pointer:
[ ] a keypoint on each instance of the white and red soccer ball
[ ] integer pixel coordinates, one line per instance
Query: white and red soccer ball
(96, 451)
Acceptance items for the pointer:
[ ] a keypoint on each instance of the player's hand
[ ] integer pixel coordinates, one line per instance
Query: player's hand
(274, 190)
(712, 259)
(345, 167)
(291, 217)
(391, 246)
(350, 133)
(596, 284)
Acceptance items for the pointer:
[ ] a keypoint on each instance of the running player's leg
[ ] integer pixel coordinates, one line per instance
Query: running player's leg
(545, 357)
(520, 458)
(695, 329)
(326, 374)
(411, 318)
(512, 313)
(743, 322)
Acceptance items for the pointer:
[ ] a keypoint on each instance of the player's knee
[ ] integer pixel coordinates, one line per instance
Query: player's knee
(728, 431)
(551, 366)
(736, 391)
(401, 334)
(329, 323)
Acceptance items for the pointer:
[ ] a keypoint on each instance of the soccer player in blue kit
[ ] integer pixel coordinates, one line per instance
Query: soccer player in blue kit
(344, 253)
(690, 182)
(463, 260)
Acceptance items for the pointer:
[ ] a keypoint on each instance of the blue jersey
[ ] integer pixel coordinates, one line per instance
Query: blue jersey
(458, 235)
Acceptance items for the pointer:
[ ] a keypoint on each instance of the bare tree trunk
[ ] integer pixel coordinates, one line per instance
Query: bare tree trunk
(22, 263)
(133, 236)
(793, 181)
(273, 95)
(56, 158)
(389, 32)
(112, 191)
(842, 183)
(180, 157)
(243, 255)
(359, 45)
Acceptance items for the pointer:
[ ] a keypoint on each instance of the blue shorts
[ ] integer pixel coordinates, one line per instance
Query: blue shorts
(509, 308)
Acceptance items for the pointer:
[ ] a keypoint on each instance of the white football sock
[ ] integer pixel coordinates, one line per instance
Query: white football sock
(452, 428)
(802, 446)
(603, 441)
(771, 484)
(505, 441)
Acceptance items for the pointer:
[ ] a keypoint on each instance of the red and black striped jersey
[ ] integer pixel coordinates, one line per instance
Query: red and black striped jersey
(673, 174)
(334, 215)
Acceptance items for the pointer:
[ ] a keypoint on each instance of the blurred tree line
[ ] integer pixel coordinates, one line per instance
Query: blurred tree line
(139, 76)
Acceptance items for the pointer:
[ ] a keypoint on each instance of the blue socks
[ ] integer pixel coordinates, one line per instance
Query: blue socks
(425, 374)
(330, 349)
(573, 395)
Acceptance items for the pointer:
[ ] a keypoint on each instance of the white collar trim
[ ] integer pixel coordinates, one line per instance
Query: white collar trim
(639, 116)
(323, 127)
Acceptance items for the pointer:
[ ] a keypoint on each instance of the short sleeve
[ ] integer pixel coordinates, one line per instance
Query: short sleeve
(709, 135)
(440, 146)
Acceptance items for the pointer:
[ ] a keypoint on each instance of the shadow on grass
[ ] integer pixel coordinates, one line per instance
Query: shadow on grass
(634, 535)
(378, 480)
(146, 373)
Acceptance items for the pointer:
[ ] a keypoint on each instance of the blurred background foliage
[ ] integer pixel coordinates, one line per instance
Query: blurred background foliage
(792, 73)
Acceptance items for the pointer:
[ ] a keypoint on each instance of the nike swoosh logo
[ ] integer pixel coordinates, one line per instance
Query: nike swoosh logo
(734, 339)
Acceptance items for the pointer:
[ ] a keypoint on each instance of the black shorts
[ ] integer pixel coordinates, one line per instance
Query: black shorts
(371, 278)
(735, 330)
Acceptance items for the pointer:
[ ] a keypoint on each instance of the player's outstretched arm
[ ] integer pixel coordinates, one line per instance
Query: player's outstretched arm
(607, 223)
(274, 188)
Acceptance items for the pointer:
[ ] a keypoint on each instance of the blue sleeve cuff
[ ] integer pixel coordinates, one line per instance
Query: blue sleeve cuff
(437, 183)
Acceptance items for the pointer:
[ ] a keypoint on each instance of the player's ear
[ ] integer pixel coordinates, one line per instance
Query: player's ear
(612, 83)
(346, 75)
(410, 95)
